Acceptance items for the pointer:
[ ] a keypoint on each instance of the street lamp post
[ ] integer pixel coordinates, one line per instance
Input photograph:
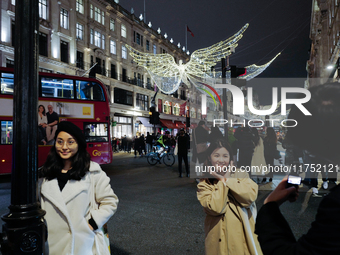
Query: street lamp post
(24, 231)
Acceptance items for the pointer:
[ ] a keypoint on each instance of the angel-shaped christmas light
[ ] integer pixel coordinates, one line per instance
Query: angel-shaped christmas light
(168, 75)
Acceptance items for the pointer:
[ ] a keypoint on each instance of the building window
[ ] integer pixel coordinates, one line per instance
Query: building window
(80, 60)
(91, 36)
(124, 52)
(99, 15)
(80, 31)
(147, 45)
(123, 30)
(176, 109)
(43, 9)
(91, 11)
(80, 6)
(13, 2)
(142, 102)
(122, 96)
(154, 49)
(97, 36)
(167, 107)
(103, 42)
(138, 38)
(112, 24)
(113, 71)
(103, 18)
(64, 18)
(64, 51)
(43, 44)
(113, 47)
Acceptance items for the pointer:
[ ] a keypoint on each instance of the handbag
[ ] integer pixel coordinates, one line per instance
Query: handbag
(101, 238)
(201, 147)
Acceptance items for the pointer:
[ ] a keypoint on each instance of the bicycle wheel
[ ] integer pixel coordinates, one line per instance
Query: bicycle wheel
(152, 158)
(169, 159)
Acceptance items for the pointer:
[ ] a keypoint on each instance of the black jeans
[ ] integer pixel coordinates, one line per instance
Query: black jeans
(185, 158)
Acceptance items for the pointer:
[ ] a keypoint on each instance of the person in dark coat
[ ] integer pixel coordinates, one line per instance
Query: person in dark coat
(245, 146)
(182, 152)
(270, 149)
(274, 233)
(200, 135)
(215, 134)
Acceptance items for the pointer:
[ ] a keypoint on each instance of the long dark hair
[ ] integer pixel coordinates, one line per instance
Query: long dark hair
(54, 164)
(216, 144)
(44, 111)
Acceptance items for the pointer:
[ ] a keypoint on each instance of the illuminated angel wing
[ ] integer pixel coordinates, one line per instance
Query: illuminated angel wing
(203, 59)
(163, 69)
(254, 70)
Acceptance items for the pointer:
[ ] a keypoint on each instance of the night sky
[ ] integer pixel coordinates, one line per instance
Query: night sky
(274, 26)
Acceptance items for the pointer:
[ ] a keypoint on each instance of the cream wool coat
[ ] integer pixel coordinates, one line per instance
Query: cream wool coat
(68, 211)
(225, 231)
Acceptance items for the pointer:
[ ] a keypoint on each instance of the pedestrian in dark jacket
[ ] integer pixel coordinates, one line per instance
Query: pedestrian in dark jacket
(274, 233)
(270, 150)
(200, 135)
(245, 146)
(215, 134)
(182, 152)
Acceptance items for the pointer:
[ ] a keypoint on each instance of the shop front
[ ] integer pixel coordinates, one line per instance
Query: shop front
(122, 125)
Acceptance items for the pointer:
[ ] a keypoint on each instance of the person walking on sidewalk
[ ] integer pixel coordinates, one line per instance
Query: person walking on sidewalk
(68, 182)
(182, 152)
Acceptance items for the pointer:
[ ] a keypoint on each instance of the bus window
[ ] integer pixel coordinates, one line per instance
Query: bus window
(89, 91)
(7, 83)
(96, 132)
(58, 88)
(6, 132)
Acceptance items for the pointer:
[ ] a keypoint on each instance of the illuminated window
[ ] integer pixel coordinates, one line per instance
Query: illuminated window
(113, 49)
(112, 24)
(6, 132)
(64, 18)
(103, 42)
(91, 11)
(123, 30)
(91, 36)
(97, 36)
(154, 49)
(43, 9)
(97, 14)
(80, 31)
(80, 6)
(124, 52)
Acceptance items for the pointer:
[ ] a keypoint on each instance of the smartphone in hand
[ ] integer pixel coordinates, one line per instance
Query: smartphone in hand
(293, 181)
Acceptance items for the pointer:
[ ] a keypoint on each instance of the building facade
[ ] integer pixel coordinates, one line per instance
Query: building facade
(325, 47)
(80, 36)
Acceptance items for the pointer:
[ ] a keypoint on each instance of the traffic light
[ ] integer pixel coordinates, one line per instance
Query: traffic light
(152, 111)
(236, 72)
(154, 116)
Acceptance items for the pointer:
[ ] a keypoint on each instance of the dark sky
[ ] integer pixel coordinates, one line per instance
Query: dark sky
(274, 26)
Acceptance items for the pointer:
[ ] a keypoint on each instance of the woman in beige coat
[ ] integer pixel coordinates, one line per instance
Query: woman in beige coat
(228, 200)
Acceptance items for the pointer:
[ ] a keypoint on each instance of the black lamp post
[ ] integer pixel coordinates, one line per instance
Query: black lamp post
(24, 231)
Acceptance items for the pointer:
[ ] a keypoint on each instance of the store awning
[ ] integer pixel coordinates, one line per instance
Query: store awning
(168, 124)
(146, 123)
(180, 124)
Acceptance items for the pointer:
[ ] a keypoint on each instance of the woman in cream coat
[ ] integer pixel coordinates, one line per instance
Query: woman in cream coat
(228, 201)
(66, 192)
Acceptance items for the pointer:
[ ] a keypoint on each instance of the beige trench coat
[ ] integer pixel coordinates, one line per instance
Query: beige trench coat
(225, 230)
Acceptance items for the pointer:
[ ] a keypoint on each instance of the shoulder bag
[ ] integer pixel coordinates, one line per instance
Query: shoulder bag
(101, 238)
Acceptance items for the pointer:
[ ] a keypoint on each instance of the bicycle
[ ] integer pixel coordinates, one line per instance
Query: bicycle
(156, 156)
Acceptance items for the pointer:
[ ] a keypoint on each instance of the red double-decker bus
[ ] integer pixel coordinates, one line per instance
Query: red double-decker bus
(83, 101)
